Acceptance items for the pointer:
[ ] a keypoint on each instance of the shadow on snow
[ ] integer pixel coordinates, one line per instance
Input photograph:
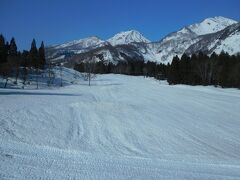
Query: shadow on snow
(36, 93)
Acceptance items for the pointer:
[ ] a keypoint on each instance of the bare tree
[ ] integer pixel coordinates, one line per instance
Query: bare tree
(145, 71)
(51, 74)
(206, 71)
(5, 71)
(61, 73)
(37, 75)
(17, 69)
(24, 76)
(25, 60)
(89, 68)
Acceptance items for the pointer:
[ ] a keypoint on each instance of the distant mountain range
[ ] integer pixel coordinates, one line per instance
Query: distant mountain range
(211, 35)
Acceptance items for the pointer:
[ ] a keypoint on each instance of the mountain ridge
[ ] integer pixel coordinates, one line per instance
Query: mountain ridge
(174, 44)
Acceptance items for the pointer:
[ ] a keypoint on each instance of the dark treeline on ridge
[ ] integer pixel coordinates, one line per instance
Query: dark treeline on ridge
(14, 63)
(219, 70)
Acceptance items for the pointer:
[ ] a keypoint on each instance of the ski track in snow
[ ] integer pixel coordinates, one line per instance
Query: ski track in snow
(121, 127)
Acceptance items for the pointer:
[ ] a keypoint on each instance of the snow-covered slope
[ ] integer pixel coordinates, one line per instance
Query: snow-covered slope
(211, 25)
(225, 40)
(122, 127)
(231, 44)
(127, 37)
(60, 76)
(174, 44)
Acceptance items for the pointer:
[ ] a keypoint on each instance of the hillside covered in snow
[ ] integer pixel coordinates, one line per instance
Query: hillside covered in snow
(122, 127)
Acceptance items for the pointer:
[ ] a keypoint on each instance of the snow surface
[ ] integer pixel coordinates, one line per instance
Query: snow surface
(121, 127)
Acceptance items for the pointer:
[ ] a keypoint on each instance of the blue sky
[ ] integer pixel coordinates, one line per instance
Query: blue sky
(56, 21)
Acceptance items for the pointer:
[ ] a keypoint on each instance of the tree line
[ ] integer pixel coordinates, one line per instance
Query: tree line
(17, 64)
(198, 69)
(219, 70)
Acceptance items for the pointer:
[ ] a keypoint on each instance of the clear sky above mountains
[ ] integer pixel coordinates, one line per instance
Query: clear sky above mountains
(57, 21)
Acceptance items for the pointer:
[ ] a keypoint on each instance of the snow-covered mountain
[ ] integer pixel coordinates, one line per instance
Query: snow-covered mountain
(127, 37)
(227, 40)
(66, 50)
(211, 25)
(204, 36)
(82, 43)
(61, 51)
(178, 42)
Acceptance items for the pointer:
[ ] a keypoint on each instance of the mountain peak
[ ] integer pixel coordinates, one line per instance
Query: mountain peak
(85, 42)
(221, 18)
(211, 25)
(127, 37)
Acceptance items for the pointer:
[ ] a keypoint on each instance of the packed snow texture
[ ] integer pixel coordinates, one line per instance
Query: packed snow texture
(121, 127)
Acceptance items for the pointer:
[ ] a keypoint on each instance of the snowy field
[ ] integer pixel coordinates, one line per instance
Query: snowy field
(122, 127)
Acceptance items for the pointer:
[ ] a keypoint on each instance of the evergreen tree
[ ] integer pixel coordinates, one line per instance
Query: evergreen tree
(25, 64)
(5, 68)
(184, 69)
(12, 48)
(34, 58)
(42, 60)
(13, 58)
(7, 47)
(34, 55)
(3, 50)
(174, 75)
(236, 74)
(194, 76)
(224, 68)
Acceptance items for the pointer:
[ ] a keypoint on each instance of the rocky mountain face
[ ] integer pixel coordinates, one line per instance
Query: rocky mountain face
(65, 50)
(211, 35)
(225, 40)
(178, 42)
